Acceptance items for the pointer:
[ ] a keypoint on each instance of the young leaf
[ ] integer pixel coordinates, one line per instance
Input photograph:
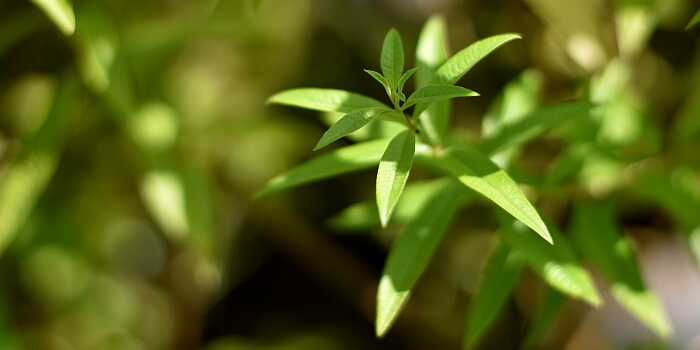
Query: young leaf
(410, 254)
(432, 93)
(343, 160)
(496, 284)
(60, 12)
(479, 173)
(392, 58)
(405, 77)
(393, 172)
(597, 235)
(532, 125)
(325, 100)
(350, 123)
(695, 20)
(555, 263)
(380, 78)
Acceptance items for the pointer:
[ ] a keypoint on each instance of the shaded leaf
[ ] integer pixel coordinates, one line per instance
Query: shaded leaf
(348, 124)
(405, 77)
(392, 58)
(380, 78)
(410, 254)
(394, 168)
(602, 242)
(693, 21)
(479, 173)
(544, 317)
(343, 160)
(498, 279)
(432, 93)
(532, 125)
(60, 12)
(556, 263)
(326, 100)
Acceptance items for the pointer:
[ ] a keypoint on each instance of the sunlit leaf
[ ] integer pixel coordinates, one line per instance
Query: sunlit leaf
(392, 58)
(432, 93)
(479, 173)
(597, 235)
(394, 168)
(498, 279)
(693, 21)
(348, 124)
(327, 100)
(556, 263)
(60, 12)
(532, 125)
(409, 255)
(340, 161)
(405, 77)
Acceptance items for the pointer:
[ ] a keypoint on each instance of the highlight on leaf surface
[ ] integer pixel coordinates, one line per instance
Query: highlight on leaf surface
(349, 123)
(393, 171)
(325, 100)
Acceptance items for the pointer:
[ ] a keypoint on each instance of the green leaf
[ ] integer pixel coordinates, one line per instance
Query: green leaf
(326, 100)
(532, 125)
(496, 284)
(393, 172)
(693, 21)
(459, 64)
(544, 317)
(392, 58)
(350, 123)
(380, 78)
(343, 160)
(409, 255)
(432, 93)
(479, 173)
(60, 12)
(556, 263)
(596, 233)
(405, 77)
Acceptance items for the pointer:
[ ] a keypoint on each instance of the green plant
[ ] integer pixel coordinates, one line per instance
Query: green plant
(463, 167)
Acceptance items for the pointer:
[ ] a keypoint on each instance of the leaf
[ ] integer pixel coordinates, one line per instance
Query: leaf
(532, 125)
(432, 93)
(479, 173)
(380, 78)
(496, 284)
(392, 58)
(393, 172)
(693, 21)
(543, 319)
(556, 263)
(60, 12)
(326, 100)
(350, 123)
(598, 236)
(343, 160)
(405, 77)
(409, 255)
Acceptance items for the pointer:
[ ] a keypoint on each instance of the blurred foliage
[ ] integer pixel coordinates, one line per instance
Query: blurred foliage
(132, 137)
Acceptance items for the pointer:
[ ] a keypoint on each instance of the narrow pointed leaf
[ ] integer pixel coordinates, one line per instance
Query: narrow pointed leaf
(60, 12)
(495, 287)
(695, 20)
(325, 100)
(597, 235)
(432, 93)
(479, 173)
(380, 78)
(556, 263)
(532, 125)
(392, 58)
(348, 124)
(543, 319)
(405, 77)
(351, 158)
(409, 255)
(393, 172)
(431, 53)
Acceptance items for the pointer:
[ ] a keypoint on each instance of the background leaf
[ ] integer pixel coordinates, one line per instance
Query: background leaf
(60, 12)
(409, 255)
(479, 173)
(343, 160)
(693, 21)
(394, 168)
(556, 263)
(348, 124)
(598, 237)
(326, 100)
(498, 279)
(392, 58)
